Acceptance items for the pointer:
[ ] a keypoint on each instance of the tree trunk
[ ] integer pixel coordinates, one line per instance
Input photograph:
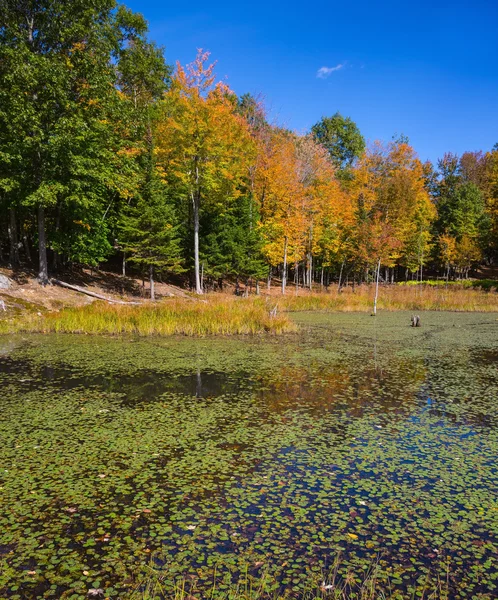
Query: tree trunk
(124, 264)
(310, 283)
(284, 272)
(88, 293)
(27, 249)
(376, 289)
(296, 277)
(42, 247)
(257, 287)
(14, 244)
(151, 281)
(198, 287)
(340, 277)
(268, 283)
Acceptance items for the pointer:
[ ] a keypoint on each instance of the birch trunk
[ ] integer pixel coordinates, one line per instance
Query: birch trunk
(376, 289)
(14, 244)
(151, 280)
(340, 277)
(198, 287)
(284, 272)
(42, 248)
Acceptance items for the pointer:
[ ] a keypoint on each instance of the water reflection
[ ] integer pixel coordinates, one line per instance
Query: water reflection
(379, 452)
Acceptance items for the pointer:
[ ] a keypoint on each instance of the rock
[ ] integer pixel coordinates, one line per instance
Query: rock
(5, 282)
(96, 593)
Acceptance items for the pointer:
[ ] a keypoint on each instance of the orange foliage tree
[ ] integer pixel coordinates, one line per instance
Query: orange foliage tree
(203, 146)
(280, 193)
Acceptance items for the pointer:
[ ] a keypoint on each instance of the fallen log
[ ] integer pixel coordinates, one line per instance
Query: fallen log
(77, 288)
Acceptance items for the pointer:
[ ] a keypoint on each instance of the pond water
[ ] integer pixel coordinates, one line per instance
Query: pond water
(355, 444)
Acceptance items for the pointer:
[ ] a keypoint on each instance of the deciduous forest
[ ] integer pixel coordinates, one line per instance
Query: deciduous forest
(109, 155)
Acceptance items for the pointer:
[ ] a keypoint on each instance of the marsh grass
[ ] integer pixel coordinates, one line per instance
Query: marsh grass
(368, 585)
(394, 297)
(220, 316)
(484, 284)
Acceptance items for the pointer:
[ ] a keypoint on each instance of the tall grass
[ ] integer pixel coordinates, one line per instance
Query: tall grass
(394, 297)
(221, 316)
(363, 584)
(485, 284)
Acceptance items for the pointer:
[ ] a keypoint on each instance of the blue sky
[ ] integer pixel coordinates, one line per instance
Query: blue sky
(428, 70)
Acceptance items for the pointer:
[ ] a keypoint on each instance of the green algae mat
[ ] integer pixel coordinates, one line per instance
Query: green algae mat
(355, 444)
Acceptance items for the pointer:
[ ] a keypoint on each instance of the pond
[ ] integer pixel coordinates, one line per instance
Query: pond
(355, 444)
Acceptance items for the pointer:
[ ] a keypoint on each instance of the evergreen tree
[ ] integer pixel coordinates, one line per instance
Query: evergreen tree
(149, 232)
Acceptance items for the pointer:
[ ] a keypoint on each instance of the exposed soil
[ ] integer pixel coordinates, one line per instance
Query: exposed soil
(27, 293)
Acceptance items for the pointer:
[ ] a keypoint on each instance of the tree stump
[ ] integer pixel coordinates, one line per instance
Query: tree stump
(416, 321)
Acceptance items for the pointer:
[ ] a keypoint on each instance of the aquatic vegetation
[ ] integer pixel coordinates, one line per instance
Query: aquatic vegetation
(153, 467)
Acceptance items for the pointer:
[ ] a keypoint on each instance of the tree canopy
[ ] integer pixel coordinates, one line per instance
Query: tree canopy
(109, 154)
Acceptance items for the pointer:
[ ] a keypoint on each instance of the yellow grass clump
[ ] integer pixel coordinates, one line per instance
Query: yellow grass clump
(223, 316)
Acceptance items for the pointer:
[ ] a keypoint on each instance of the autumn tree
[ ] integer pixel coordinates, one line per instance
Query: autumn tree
(395, 211)
(325, 207)
(203, 146)
(280, 190)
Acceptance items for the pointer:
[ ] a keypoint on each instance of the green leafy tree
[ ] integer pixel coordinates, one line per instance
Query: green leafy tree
(341, 138)
(58, 113)
(148, 233)
(233, 244)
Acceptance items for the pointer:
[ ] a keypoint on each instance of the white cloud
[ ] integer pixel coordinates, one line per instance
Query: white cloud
(324, 72)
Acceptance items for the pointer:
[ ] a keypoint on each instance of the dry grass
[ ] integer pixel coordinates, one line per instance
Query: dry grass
(220, 316)
(394, 297)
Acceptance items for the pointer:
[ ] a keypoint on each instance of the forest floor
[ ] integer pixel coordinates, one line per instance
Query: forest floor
(26, 293)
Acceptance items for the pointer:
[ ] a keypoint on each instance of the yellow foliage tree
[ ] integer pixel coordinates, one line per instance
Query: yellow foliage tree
(202, 144)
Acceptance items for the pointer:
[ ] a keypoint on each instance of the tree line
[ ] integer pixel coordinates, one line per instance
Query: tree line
(107, 153)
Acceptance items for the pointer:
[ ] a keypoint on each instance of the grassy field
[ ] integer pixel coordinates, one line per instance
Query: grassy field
(222, 314)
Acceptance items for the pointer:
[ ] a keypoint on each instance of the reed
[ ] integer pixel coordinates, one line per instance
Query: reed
(218, 316)
(367, 584)
(395, 297)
